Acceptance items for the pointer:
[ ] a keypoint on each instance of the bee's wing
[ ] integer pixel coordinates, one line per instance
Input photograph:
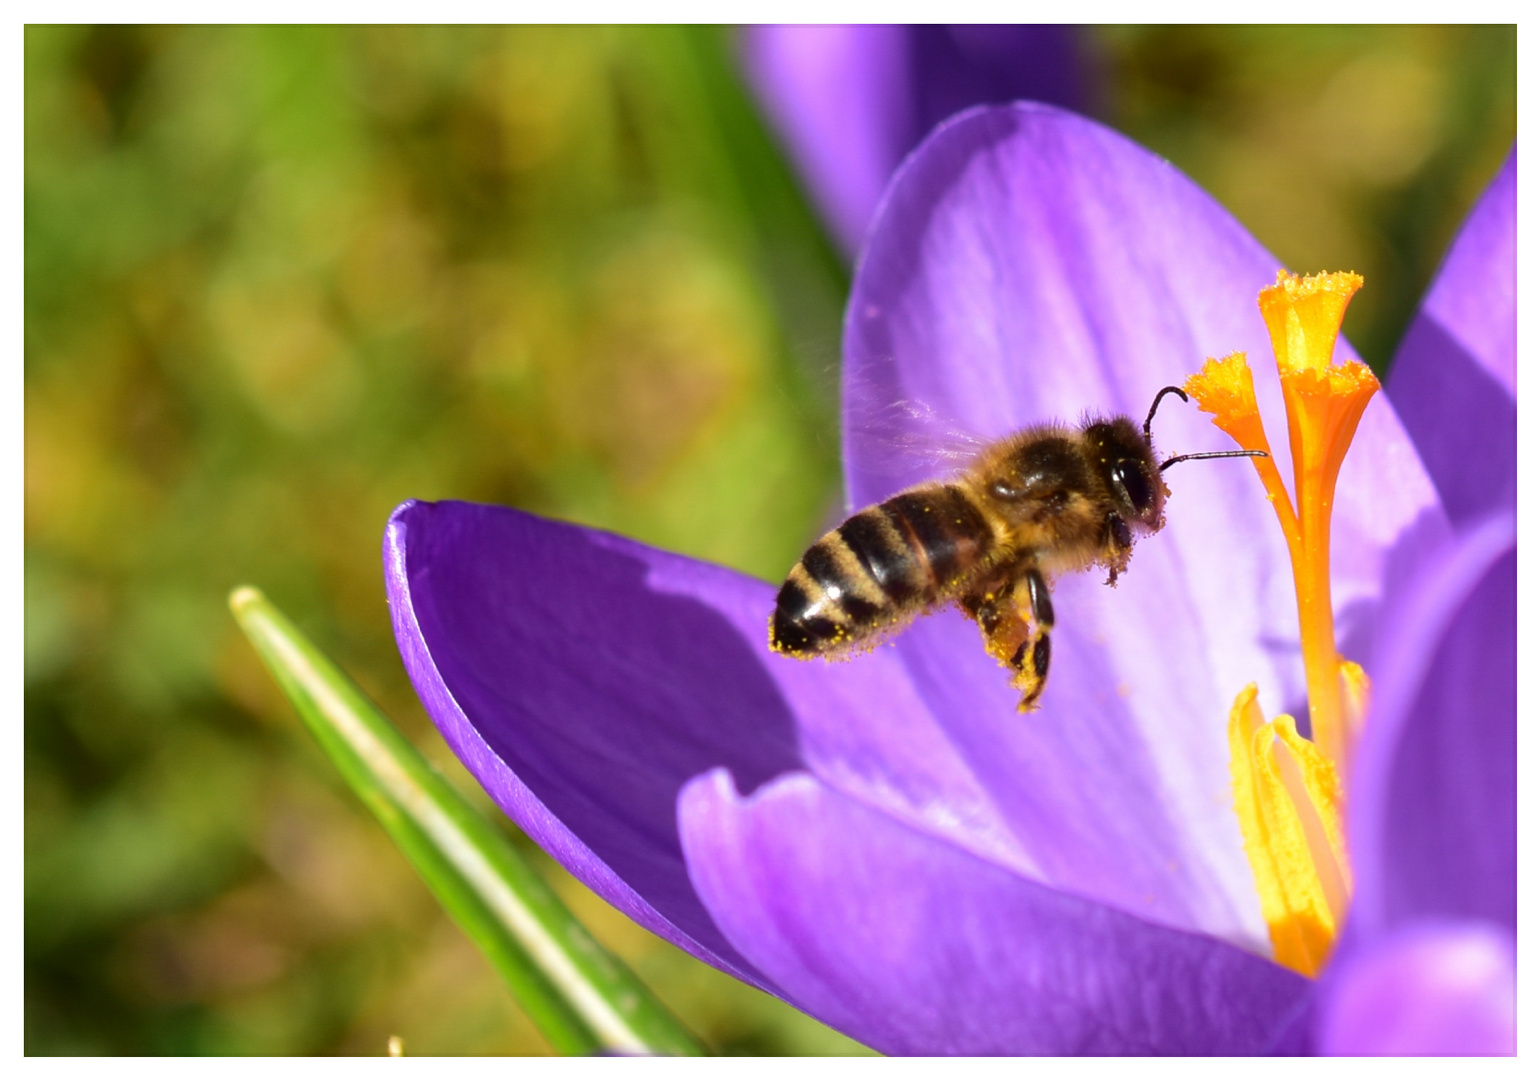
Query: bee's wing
(908, 442)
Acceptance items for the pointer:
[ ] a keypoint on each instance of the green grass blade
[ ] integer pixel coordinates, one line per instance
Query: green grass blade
(579, 995)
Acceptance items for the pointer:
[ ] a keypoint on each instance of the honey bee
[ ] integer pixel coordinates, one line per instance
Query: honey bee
(1048, 500)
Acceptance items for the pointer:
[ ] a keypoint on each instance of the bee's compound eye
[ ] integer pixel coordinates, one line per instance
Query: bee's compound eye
(1006, 491)
(1130, 477)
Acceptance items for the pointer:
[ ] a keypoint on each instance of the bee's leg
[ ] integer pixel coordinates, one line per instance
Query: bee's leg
(1015, 615)
(1117, 545)
(1031, 657)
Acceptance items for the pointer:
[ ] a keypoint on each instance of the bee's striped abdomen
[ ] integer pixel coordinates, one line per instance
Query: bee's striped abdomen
(881, 566)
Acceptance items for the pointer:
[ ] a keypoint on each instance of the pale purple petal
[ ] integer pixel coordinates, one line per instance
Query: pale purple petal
(1434, 987)
(1028, 265)
(1454, 379)
(913, 946)
(851, 101)
(838, 95)
(1433, 814)
(583, 678)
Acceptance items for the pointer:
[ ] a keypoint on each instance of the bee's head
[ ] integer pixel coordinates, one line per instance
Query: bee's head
(1127, 465)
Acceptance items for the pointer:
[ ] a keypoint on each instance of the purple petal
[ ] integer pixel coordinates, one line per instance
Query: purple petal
(953, 68)
(838, 95)
(1029, 265)
(1434, 792)
(1454, 380)
(585, 749)
(1432, 988)
(851, 101)
(584, 678)
(915, 947)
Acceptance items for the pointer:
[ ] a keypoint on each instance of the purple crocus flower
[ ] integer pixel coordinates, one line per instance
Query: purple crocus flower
(886, 843)
(851, 101)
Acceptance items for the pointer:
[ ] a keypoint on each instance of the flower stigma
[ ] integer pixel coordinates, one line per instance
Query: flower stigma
(1288, 790)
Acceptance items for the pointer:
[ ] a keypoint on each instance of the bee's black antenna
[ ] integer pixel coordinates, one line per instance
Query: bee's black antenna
(1177, 390)
(1164, 465)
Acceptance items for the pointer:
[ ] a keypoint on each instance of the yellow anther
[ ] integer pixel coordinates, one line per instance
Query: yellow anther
(1355, 703)
(1288, 802)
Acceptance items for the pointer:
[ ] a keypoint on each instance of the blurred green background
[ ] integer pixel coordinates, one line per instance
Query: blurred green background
(279, 280)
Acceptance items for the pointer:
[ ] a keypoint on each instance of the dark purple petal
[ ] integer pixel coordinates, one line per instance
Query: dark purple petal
(584, 678)
(953, 68)
(851, 101)
(915, 947)
(1433, 809)
(1431, 988)
(1454, 380)
(1030, 265)
(506, 625)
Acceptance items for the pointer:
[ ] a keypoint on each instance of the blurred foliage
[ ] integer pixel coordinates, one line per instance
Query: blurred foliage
(278, 280)
(1340, 147)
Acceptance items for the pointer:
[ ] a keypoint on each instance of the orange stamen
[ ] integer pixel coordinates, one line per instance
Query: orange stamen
(1288, 797)
(1324, 402)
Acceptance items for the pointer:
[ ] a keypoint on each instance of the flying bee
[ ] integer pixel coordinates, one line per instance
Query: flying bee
(1047, 500)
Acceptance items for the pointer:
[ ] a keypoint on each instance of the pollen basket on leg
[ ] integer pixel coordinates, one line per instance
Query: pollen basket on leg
(1012, 609)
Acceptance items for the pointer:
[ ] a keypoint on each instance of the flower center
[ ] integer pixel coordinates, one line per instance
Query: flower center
(1288, 792)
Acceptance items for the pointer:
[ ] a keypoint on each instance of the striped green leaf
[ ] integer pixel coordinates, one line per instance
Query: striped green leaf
(578, 994)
